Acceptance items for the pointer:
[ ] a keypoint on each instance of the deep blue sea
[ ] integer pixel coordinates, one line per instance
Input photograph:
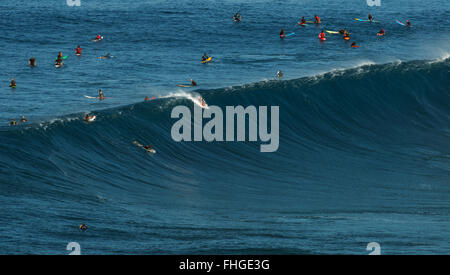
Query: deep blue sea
(364, 149)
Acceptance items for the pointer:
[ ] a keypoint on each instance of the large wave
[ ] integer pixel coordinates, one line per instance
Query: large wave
(378, 127)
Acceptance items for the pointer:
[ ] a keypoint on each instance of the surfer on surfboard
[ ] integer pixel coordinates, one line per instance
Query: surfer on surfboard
(202, 101)
(98, 38)
(237, 17)
(346, 35)
(13, 122)
(303, 21)
(193, 83)
(78, 50)
(282, 33)
(279, 74)
(32, 62)
(108, 55)
(381, 32)
(13, 83)
(322, 36)
(205, 57)
(317, 19)
(100, 95)
(147, 148)
(370, 17)
(89, 118)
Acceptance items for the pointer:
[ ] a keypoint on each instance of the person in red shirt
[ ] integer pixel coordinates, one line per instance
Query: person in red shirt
(322, 36)
(317, 19)
(78, 50)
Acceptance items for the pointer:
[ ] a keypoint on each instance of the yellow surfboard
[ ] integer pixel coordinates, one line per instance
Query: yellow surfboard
(207, 60)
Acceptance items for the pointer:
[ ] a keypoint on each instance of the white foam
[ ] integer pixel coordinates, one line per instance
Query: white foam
(193, 96)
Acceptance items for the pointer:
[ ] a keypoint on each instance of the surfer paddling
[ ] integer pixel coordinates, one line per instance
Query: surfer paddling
(98, 38)
(148, 148)
(108, 55)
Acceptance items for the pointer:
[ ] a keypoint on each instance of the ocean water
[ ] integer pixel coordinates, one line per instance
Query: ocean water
(364, 152)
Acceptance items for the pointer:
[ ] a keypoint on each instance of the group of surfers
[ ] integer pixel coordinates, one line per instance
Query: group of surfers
(345, 33)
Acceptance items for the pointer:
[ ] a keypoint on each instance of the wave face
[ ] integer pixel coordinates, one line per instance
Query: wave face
(363, 152)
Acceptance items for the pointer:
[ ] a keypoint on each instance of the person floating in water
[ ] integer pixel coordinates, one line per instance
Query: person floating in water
(78, 50)
(100, 95)
(205, 57)
(408, 23)
(317, 19)
(237, 17)
(108, 55)
(370, 17)
(282, 33)
(279, 74)
(381, 32)
(13, 122)
(13, 83)
(32, 62)
(23, 119)
(83, 227)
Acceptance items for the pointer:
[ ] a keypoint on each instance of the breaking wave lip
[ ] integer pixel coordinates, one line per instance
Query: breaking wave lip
(361, 67)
